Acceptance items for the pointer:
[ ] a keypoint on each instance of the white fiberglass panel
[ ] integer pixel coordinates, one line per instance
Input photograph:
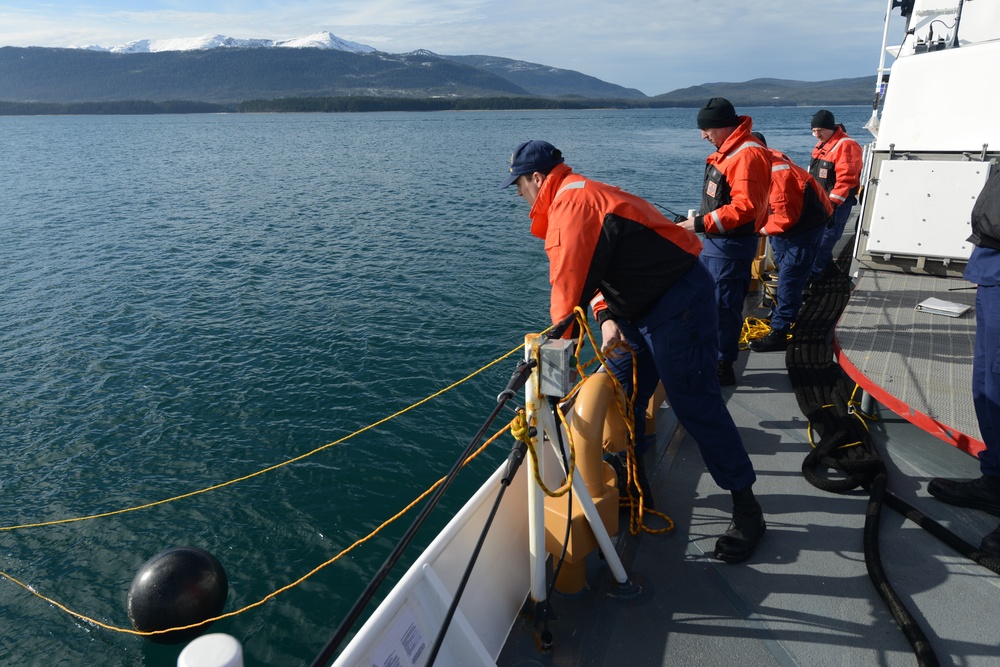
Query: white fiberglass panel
(922, 208)
(945, 101)
(935, 19)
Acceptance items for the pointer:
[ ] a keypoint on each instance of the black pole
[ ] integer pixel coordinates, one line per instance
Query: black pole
(517, 380)
(513, 463)
(559, 329)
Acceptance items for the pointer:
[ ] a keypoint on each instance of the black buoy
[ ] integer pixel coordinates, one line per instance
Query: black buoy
(174, 588)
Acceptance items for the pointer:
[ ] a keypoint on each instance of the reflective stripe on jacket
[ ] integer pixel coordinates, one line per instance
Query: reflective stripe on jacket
(737, 178)
(601, 239)
(798, 202)
(836, 164)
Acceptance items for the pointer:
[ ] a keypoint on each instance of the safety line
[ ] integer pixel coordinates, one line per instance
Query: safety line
(265, 470)
(517, 427)
(270, 596)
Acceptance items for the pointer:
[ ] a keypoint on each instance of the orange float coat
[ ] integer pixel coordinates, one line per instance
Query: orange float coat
(737, 178)
(798, 202)
(603, 241)
(836, 164)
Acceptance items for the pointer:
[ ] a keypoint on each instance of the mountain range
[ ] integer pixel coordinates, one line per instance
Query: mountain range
(320, 40)
(222, 70)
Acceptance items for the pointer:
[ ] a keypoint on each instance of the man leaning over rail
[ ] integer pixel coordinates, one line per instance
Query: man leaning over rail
(640, 273)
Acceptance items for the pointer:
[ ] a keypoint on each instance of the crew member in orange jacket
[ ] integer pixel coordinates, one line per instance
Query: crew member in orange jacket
(799, 208)
(733, 209)
(640, 271)
(836, 163)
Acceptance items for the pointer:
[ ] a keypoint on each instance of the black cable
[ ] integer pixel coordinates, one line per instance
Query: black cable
(513, 463)
(546, 636)
(673, 213)
(922, 648)
(821, 391)
(517, 381)
(971, 552)
(355, 612)
(558, 330)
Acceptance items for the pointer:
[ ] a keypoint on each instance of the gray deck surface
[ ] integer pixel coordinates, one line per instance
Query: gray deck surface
(805, 597)
(923, 359)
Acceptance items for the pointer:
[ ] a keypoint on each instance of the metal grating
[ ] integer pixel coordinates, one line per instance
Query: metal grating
(922, 359)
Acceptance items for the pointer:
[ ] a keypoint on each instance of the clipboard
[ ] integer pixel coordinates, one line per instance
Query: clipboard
(941, 307)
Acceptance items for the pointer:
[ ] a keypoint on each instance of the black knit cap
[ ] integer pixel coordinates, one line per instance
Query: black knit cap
(824, 119)
(717, 112)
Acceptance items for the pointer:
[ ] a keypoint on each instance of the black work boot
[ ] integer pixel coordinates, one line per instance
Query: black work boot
(981, 494)
(620, 463)
(991, 543)
(747, 527)
(726, 374)
(776, 339)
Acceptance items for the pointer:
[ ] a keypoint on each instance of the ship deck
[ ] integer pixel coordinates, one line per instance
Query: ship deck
(805, 597)
(919, 364)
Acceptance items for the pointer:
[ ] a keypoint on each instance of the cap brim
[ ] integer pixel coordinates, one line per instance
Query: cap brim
(507, 182)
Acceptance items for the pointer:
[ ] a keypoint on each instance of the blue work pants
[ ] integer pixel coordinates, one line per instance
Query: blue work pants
(732, 284)
(986, 376)
(675, 341)
(794, 258)
(832, 231)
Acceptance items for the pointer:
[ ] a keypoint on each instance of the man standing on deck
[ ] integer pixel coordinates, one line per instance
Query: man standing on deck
(836, 163)
(734, 206)
(641, 275)
(799, 208)
(983, 269)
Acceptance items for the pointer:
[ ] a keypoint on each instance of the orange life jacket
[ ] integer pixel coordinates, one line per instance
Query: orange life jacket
(737, 179)
(836, 164)
(798, 202)
(603, 240)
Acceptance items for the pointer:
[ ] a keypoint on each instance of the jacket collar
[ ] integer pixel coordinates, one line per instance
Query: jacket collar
(540, 211)
(837, 135)
(740, 135)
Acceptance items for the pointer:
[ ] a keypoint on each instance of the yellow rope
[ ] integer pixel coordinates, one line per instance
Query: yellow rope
(753, 328)
(626, 408)
(521, 430)
(855, 407)
(518, 427)
(809, 430)
(269, 596)
(265, 470)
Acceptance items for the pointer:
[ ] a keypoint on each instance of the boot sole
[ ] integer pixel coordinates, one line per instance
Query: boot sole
(767, 349)
(739, 558)
(985, 507)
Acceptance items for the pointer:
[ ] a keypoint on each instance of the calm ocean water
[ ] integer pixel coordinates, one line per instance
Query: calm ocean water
(190, 299)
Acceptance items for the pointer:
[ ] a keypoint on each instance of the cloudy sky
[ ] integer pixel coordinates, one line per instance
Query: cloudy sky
(653, 45)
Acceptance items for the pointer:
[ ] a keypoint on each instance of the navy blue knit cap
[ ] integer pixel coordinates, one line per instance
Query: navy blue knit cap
(717, 112)
(824, 119)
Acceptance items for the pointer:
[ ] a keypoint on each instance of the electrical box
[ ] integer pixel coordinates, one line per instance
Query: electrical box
(557, 367)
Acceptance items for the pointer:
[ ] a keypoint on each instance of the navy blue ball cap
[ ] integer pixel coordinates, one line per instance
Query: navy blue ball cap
(532, 156)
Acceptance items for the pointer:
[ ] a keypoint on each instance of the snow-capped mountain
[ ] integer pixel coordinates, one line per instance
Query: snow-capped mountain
(319, 40)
